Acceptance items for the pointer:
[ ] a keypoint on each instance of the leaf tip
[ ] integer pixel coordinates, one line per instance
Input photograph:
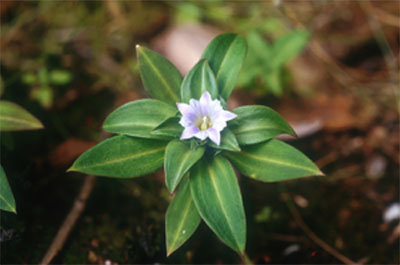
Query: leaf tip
(71, 169)
(320, 173)
(292, 132)
(12, 210)
(170, 187)
(40, 125)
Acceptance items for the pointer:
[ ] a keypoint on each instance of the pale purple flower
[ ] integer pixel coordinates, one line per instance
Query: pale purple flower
(204, 118)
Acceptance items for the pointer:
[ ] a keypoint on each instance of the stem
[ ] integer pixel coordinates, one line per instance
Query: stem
(246, 260)
(70, 220)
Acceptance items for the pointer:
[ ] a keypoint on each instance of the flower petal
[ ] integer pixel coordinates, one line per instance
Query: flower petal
(205, 99)
(202, 135)
(227, 115)
(189, 116)
(214, 135)
(185, 109)
(189, 132)
(205, 104)
(219, 124)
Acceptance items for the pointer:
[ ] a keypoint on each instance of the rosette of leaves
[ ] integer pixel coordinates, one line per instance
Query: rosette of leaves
(13, 118)
(200, 173)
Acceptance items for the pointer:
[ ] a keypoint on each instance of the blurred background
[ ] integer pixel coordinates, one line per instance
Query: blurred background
(329, 67)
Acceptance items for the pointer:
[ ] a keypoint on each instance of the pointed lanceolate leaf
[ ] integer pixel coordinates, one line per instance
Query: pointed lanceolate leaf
(7, 202)
(170, 128)
(273, 161)
(160, 77)
(179, 158)
(273, 81)
(139, 117)
(216, 194)
(199, 80)
(15, 118)
(122, 156)
(182, 218)
(225, 56)
(287, 47)
(228, 141)
(255, 124)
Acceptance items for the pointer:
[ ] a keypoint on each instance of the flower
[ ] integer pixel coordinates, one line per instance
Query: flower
(204, 118)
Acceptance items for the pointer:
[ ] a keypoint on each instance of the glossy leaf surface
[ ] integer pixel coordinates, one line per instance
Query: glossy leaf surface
(272, 161)
(122, 156)
(179, 158)
(255, 124)
(215, 191)
(225, 56)
(160, 77)
(182, 218)
(139, 117)
(7, 202)
(170, 127)
(228, 141)
(15, 118)
(199, 80)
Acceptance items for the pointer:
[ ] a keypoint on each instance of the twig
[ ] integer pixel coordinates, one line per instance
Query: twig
(70, 220)
(296, 215)
(384, 16)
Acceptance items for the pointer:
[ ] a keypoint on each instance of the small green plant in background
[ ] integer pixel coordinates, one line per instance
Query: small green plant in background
(42, 83)
(271, 43)
(187, 128)
(13, 118)
(264, 66)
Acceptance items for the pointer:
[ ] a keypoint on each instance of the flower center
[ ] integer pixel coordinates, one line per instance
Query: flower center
(204, 123)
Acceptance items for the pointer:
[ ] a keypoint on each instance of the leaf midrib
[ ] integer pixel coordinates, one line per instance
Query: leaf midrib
(123, 158)
(186, 157)
(7, 203)
(273, 161)
(169, 88)
(224, 60)
(20, 121)
(136, 124)
(186, 212)
(254, 129)
(212, 176)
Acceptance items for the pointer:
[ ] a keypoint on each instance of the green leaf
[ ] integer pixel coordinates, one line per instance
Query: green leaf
(7, 202)
(179, 158)
(256, 61)
(273, 161)
(170, 127)
(15, 118)
(121, 156)
(259, 49)
(216, 194)
(182, 218)
(29, 78)
(160, 77)
(60, 77)
(255, 124)
(225, 56)
(288, 47)
(228, 142)
(44, 95)
(139, 117)
(199, 80)
(273, 81)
